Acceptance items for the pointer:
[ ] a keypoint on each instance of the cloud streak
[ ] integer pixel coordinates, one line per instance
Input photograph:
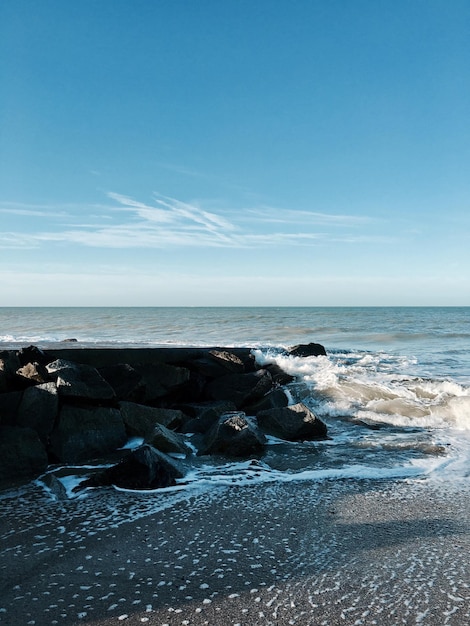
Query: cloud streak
(169, 223)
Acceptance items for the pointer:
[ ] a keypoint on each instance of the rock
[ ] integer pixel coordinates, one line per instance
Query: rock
(307, 349)
(22, 454)
(190, 391)
(204, 414)
(60, 364)
(241, 389)
(55, 487)
(83, 433)
(33, 373)
(9, 405)
(292, 423)
(159, 379)
(9, 365)
(234, 434)
(278, 375)
(168, 441)
(80, 382)
(144, 468)
(38, 409)
(125, 380)
(32, 354)
(218, 363)
(3, 381)
(140, 420)
(274, 399)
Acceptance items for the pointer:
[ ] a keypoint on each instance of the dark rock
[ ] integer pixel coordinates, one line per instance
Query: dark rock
(125, 380)
(190, 391)
(274, 399)
(9, 365)
(216, 363)
(292, 423)
(143, 468)
(83, 433)
(32, 354)
(22, 455)
(204, 414)
(39, 409)
(55, 486)
(234, 434)
(140, 420)
(241, 389)
(278, 375)
(3, 382)
(307, 349)
(159, 379)
(80, 382)
(9, 405)
(168, 441)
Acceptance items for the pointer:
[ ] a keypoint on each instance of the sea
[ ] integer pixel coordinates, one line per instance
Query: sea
(394, 388)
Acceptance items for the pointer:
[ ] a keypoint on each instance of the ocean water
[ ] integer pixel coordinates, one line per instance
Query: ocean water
(394, 388)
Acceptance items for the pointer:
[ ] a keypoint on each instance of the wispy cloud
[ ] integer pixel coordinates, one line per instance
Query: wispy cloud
(167, 222)
(31, 212)
(275, 215)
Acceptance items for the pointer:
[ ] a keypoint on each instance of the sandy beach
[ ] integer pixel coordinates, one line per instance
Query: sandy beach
(323, 553)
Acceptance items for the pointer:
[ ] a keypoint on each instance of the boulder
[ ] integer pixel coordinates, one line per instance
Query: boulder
(292, 423)
(216, 363)
(140, 420)
(32, 354)
(241, 389)
(38, 409)
(274, 399)
(9, 405)
(22, 454)
(278, 375)
(307, 349)
(144, 468)
(9, 365)
(234, 434)
(55, 487)
(76, 381)
(202, 415)
(3, 381)
(33, 373)
(190, 391)
(168, 441)
(125, 380)
(86, 432)
(159, 379)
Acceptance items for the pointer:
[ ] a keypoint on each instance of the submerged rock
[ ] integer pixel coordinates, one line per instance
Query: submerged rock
(308, 349)
(144, 468)
(292, 423)
(168, 441)
(234, 434)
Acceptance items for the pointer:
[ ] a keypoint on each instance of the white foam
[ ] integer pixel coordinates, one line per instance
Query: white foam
(132, 443)
(376, 388)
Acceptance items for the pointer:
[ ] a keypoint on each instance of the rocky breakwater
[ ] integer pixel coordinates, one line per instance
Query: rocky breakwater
(73, 406)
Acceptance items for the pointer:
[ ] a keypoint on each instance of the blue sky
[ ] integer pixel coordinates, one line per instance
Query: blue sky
(179, 152)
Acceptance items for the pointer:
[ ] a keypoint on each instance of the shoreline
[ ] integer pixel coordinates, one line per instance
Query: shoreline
(329, 552)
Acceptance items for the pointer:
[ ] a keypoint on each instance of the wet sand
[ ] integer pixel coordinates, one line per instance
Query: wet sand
(303, 553)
